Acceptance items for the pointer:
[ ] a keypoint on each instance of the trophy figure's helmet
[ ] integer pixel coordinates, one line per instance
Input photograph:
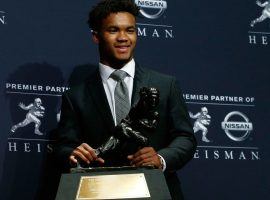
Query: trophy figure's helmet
(38, 101)
(204, 110)
(154, 97)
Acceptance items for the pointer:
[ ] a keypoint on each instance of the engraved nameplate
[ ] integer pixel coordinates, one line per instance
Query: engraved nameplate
(120, 186)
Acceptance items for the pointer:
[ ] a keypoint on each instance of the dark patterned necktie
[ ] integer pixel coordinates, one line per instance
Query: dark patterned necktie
(121, 97)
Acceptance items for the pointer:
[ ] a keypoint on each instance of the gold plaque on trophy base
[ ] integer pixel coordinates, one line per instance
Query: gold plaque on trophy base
(120, 186)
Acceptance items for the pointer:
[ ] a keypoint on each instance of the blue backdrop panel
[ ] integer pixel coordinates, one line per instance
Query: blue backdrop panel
(217, 50)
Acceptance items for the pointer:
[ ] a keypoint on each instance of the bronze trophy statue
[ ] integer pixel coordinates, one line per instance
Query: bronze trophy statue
(141, 118)
(130, 134)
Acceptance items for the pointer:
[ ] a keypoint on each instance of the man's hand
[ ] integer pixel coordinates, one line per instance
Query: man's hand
(145, 156)
(84, 153)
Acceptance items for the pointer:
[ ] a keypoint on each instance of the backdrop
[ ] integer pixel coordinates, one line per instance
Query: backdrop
(218, 51)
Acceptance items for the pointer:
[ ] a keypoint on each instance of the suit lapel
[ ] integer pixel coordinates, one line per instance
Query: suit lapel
(141, 79)
(97, 92)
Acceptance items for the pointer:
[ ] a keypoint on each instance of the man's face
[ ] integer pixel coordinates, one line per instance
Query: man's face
(117, 39)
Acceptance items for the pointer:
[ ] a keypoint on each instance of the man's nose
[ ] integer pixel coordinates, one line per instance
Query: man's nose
(122, 37)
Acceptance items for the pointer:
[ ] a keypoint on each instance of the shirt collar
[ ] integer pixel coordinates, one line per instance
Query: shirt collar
(105, 70)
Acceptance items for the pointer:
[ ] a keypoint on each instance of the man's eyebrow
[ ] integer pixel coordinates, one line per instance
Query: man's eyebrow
(117, 27)
(130, 27)
(112, 26)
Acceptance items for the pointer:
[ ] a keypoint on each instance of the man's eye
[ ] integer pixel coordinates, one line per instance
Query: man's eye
(131, 30)
(112, 30)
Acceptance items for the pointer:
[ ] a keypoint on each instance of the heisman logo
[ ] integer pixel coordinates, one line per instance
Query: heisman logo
(151, 9)
(35, 110)
(237, 130)
(202, 120)
(265, 13)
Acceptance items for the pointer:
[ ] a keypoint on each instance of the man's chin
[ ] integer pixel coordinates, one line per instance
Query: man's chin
(123, 57)
(122, 60)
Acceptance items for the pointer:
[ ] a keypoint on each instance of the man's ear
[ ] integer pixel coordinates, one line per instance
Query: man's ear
(95, 37)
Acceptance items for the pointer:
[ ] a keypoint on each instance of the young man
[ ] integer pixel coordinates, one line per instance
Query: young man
(90, 112)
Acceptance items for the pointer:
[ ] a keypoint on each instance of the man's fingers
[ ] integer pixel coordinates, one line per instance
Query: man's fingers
(142, 162)
(90, 150)
(142, 157)
(73, 160)
(81, 156)
(100, 160)
(84, 153)
(87, 151)
(144, 151)
(151, 163)
(145, 156)
(141, 151)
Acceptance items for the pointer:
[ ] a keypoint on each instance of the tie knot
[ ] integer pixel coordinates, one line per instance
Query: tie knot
(119, 75)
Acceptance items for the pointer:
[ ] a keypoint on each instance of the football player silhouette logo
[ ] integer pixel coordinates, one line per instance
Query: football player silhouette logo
(265, 13)
(202, 120)
(35, 111)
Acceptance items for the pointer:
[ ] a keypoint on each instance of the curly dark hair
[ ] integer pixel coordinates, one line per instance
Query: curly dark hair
(106, 7)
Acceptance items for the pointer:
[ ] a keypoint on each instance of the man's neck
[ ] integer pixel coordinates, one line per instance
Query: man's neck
(115, 64)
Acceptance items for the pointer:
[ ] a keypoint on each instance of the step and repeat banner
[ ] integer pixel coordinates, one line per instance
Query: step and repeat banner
(218, 50)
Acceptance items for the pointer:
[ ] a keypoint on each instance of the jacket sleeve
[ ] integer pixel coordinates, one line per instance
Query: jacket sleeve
(67, 135)
(182, 141)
